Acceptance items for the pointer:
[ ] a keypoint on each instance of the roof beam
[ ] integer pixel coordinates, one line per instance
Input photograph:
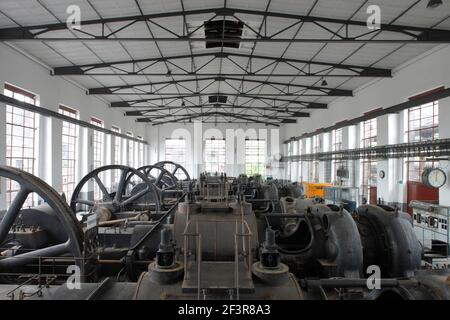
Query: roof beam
(133, 103)
(216, 113)
(89, 69)
(412, 33)
(145, 112)
(111, 90)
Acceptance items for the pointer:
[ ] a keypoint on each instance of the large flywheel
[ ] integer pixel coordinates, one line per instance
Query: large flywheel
(52, 223)
(128, 189)
(176, 169)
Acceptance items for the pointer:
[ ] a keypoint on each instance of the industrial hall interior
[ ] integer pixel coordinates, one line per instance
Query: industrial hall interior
(225, 150)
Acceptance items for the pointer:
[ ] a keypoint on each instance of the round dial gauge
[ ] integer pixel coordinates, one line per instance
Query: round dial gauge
(382, 174)
(435, 177)
(278, 156)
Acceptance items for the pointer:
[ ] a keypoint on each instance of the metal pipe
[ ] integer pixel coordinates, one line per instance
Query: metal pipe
(110, 222)
(283, 215)
(25, 258)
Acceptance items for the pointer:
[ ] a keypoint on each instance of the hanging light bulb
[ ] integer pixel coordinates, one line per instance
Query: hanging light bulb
(324, 82)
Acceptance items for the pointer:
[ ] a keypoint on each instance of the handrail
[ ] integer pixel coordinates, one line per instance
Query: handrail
(245, 234)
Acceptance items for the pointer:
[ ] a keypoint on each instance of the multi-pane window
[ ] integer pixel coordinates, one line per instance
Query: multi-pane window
(140, 152)
(336, 145)
(289, 154)
(130, 150)
(315, 164)
(300, 166)
(255, 156)
(369, 167)
(369, 139)
(117, 146)
(423, 125)
(69, 151)
(98, 138)
(117, 152)
(215, 155)
(294, 164)
(175, 151)
(21, 139)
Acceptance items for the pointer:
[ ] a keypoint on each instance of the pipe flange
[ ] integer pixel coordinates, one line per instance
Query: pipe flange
(167, 274)
(272, 276)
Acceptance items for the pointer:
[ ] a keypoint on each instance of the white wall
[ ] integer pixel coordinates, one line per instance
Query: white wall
(428, 71)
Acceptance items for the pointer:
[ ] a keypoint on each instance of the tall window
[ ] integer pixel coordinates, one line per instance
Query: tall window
(117, 146)
(315, 164)
(175, 150)
(369, 138)
(300, 166)
(215, 155)
(117, 152)
(255, 157)
(289, 154)
(423, 125)
(294, 164)
(69, 151)
(140, 152)
(98, 138)
(21, 139)
(336, 145)
(369, 167)
(130, 150)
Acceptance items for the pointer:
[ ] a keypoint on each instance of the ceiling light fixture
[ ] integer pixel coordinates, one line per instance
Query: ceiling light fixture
(324, 83)
(434, 3)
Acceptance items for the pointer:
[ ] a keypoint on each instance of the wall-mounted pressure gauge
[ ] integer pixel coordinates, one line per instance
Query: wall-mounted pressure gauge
(434, 177)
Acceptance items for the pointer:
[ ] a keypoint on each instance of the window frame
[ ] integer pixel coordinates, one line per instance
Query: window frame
(69, 184)
(337, 145)
(260, 155)
(215, 152)
(117, 145)
(98, 142)
(368, 166)
(18, 119)
(130, 150)
(420, 162)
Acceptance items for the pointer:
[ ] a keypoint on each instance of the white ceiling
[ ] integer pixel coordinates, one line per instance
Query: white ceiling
(15, 13)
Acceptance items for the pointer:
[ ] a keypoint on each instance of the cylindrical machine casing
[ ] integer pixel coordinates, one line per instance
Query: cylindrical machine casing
(217, 223)
(389, 240)
(149, 289)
